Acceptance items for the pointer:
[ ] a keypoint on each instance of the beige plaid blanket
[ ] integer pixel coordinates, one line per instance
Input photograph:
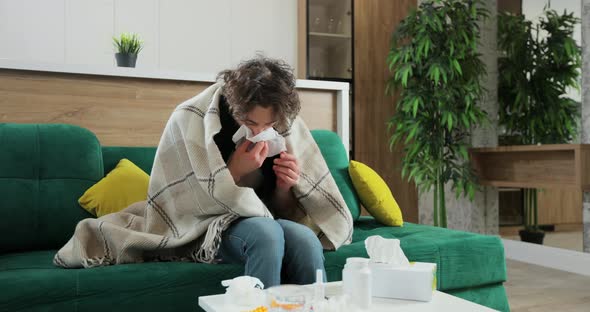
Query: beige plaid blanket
(192, 198)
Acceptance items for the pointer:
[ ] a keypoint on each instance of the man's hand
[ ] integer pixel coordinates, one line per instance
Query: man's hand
(287, 171)
(244, 160)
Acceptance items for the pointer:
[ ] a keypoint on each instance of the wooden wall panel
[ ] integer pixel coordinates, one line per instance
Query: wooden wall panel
(512, 6)
(551, 168)
(557, 170)
(374, 22)
(119, 110)
(559, 206)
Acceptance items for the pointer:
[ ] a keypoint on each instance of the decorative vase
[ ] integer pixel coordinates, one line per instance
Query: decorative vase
(535, 237)
(125, 59)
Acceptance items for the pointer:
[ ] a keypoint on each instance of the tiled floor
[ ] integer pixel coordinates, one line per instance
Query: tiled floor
(534, 288)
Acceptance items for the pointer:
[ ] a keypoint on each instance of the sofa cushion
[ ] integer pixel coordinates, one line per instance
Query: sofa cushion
(375, 195)
(123, 186)
(463, 259)
(29, 281)
(336, 157)
(143, 157)
(43, 171)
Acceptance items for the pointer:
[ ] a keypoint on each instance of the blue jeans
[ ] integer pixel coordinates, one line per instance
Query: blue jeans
(273, 251)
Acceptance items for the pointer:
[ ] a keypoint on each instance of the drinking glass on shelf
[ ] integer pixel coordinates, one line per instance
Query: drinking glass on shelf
(331, 25)
(317, 25)
(340, 27)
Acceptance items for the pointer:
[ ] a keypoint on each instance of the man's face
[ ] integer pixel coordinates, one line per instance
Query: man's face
(259, 119)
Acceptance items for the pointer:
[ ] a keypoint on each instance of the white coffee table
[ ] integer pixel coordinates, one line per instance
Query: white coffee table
(440, 302)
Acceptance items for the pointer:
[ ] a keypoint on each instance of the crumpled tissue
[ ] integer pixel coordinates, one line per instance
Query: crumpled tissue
(382, 250)
(244, 291)
(276, 142)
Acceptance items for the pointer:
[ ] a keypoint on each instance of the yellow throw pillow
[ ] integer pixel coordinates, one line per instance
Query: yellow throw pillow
(123, 186)
(374, 194)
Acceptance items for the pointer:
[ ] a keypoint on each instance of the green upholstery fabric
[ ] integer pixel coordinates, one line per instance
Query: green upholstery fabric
(143, 157)
(48, 167)
(463, 259)
(44, 169)
(493, 296)
(29, 281)
(336, 157)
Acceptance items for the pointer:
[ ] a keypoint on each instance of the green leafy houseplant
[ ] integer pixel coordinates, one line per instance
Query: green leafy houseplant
(438, 72)
(128, 43)
(128, 47)
(539, 63)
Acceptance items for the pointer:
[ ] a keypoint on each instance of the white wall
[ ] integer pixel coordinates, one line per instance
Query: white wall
(533, 9)
(186, 35)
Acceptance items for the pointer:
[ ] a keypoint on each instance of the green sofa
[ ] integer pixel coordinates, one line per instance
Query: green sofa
(45, 168)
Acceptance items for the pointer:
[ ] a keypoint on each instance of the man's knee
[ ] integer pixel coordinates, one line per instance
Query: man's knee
(266, 234)
(300, 236)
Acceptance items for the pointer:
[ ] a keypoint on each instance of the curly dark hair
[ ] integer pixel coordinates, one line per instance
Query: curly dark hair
(262, 81)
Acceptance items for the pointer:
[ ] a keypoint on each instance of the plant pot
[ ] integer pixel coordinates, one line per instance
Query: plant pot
(125, 60)
(535, 237)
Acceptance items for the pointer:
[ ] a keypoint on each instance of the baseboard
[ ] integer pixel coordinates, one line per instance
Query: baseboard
(510, 230)
(551, 257)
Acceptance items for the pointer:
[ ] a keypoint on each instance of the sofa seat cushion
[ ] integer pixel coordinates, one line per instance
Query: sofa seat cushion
(31, 281)
(463, 259)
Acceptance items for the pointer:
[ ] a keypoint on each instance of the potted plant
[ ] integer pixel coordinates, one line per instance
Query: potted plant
(128, 47)
(438, 73)
(538, 65)
(531, 232)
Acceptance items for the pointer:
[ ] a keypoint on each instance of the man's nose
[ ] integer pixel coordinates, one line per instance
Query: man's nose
(257, 130)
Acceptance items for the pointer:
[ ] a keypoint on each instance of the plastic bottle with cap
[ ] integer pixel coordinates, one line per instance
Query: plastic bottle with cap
(356, 282)
(319, 292)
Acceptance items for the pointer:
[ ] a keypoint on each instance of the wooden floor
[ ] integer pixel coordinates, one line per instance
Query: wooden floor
(565, 240)
(534, 288)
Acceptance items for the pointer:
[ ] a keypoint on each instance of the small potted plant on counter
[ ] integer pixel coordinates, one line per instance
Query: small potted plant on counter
(128, 46)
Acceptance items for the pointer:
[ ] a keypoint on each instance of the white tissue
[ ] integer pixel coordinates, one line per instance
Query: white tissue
(276, 142)
(244, 291)
(387, 251)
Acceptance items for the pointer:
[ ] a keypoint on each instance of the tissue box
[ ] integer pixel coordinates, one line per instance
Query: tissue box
(414, 282)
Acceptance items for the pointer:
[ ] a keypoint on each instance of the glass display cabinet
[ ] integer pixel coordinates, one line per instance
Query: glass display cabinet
(330, 40)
